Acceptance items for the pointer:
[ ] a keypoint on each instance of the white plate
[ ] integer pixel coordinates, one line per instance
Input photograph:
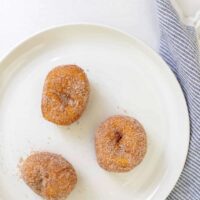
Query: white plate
(126, 77)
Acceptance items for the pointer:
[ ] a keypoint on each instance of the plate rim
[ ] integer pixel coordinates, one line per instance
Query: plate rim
(150, 51)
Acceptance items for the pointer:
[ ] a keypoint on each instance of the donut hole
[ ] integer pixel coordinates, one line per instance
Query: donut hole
(66, 99)
(118, 137)
(42, 178)
(40, 182)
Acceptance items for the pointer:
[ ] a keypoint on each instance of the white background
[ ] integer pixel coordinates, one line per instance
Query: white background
(22, 18)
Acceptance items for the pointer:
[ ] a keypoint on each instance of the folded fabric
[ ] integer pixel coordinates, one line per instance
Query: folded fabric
(179, 49)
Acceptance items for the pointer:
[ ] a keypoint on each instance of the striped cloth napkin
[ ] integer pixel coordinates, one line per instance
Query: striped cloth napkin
(179, 49)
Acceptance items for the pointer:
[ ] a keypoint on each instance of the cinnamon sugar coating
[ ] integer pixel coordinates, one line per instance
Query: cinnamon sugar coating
(65, 94)
(49, 175)
(120, 143)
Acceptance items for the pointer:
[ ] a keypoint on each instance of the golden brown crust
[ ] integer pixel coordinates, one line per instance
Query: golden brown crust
(65, 94)
(49, 175)
(120, 143)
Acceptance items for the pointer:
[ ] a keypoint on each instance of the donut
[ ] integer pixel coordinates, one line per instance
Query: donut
(120, 143)
(65, 94)
(49, 175)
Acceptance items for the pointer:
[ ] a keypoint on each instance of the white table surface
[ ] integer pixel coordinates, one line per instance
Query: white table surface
(22, 18)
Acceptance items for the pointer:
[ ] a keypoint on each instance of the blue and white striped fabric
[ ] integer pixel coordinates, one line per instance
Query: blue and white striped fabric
(179, 49)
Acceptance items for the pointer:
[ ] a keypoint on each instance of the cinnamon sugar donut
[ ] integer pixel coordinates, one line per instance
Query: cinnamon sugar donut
(121, 143)
(49, 175)
(65, 94)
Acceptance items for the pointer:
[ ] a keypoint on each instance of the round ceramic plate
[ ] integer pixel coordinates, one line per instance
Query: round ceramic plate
(126, 78)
